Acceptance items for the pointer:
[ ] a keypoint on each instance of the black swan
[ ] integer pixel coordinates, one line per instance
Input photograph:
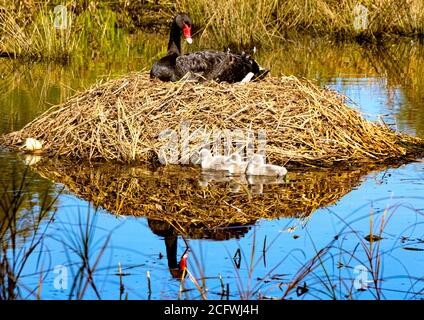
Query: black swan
(202, 65)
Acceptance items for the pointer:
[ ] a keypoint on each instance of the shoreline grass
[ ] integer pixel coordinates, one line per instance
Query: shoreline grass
(28, 30)
(260, 23)
(46, 37)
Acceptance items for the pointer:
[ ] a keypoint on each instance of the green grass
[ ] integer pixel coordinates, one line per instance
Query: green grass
(89, 33)
(24, 214)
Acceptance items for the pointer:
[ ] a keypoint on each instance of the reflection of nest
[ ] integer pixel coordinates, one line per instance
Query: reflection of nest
(172, 194)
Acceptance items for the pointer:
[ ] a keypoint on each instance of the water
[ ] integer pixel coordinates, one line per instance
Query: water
(327, 213)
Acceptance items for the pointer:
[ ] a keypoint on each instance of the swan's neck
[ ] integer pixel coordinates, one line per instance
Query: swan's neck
(254, 165)
(174, 44)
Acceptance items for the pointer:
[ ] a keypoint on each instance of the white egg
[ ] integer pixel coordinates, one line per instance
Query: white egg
(32, 144)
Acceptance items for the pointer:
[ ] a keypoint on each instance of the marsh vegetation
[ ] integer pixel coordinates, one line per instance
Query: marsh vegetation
(88, 230)
(47, 30)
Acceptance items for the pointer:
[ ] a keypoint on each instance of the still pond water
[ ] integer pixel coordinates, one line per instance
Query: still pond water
(317, 250)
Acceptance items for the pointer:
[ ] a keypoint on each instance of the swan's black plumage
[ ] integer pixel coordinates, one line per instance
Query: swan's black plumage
(202, 65)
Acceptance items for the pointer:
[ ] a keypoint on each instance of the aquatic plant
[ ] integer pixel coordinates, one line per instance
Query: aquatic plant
(350, 266)
(23, 216)
(83, 254)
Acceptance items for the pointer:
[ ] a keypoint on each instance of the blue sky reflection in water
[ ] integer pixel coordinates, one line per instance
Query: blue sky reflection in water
(395, 194)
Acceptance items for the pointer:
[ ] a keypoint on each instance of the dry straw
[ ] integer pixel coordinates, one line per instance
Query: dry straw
(120, 120)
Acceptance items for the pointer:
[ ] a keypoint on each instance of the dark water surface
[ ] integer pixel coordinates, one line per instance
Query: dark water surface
(103, 221)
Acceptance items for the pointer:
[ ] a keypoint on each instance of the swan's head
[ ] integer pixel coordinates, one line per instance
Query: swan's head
(204, 154)
(257, 159)
(183, 21)
(235, 157)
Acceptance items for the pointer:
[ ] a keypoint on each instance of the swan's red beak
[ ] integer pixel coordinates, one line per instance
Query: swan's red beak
(183, 262)
(187, 33)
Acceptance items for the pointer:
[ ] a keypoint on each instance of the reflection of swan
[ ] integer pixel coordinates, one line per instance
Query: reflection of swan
(237, 182)
(257, 167)
(31, 159)
(170, 234)
(175, 268)
(166, 231)
(235, 165)
(266, 179)
(212, 176)
(257, 188)
(257, 182)
(209, 162)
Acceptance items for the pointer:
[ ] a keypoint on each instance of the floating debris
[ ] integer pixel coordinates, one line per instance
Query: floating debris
(373, 237)
(413, 249)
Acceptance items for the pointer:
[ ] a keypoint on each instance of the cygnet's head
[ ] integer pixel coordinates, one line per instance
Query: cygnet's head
(204, 154)
(283, 171)
(257, 159)
(235, 157)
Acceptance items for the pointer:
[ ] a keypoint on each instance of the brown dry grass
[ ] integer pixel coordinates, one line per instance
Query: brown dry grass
(120, 120)
(247, 23)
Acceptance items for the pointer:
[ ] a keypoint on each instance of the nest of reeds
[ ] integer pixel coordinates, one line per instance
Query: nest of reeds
(179, 197)
(125, 120)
